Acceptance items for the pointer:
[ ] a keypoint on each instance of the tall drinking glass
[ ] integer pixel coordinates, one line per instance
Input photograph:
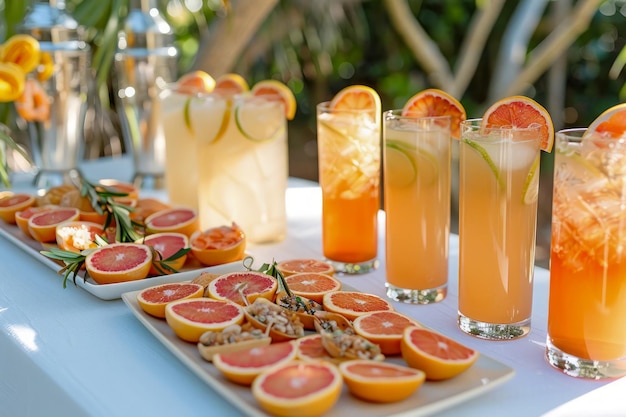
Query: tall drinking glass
(417, 206)
(349, 175)
(499, 179)
(587, 304)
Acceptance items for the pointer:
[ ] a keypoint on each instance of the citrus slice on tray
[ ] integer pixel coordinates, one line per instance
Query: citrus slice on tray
(358, 97)
(76, 236)
(218, 245)
(190, 318)
(21, 217)
(179, 220)
(242, 367)
(119, 262)
(42, 226)
(437, 355)
(352, 304)
(380, 382)
(521, 112)
(312, 285)
(166, 245)
(385, 328)
(311, 348)
(275, 90)
(230, 84)
(611, 124)
(243, 287)
(298, 388)
(11, 204)
(434, 102)
(294, 266)
(153, 300)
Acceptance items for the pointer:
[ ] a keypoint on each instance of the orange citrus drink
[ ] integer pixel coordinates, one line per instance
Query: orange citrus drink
(417, 206)
(587, 304)
(349, 174)
(499, 178)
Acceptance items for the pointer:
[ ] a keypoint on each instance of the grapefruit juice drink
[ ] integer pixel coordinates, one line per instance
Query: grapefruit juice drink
(499, 174)
(349, 175)
(242, 162)
(417, 206)
(587, 303)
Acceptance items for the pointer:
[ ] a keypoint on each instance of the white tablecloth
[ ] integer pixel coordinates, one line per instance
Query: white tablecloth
(66, 352)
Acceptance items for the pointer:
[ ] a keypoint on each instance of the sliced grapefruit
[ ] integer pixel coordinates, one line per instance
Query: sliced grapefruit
(130, 193)
(293, 266)
(11, 204)
(384, 328)
(521, 112)
(76, 236)
(119, 262)
(195, 82)
(219, 245)
(437, 355)
(611, 124)
(167, 244)
(21, 217)
(42, 226)
(380, 382)
(234, 286)
(145, 207)
(358, 97)
(242, 367)
(312, 285)
(190, 318)
(154, 299)
(275, 90)
(434, 102)
(352, 304)
(311, 348)
(179, 220)
(54, 194)
(303, 389)
(230, 84)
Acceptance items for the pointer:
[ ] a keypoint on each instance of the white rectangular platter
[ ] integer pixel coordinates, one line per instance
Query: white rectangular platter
(109, 291)
(430, 398)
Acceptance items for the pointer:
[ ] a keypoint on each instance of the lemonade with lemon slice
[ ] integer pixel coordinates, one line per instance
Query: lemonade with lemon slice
(348, 141)
(417, 206)
(499, 170)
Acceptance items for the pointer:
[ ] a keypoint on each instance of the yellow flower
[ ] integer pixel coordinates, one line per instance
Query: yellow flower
(12, 81)
(22, 50)
(45, 68)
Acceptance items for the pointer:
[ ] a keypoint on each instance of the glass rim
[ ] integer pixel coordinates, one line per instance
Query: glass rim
(576, 135)
(324, 106)
(476, 124)
(396, 114)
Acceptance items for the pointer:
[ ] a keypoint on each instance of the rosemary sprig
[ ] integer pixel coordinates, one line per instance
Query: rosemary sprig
(161, 265)
(73, 262)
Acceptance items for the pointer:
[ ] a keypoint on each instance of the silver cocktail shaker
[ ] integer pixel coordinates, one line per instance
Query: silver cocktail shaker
(145, 61)
(56, 143)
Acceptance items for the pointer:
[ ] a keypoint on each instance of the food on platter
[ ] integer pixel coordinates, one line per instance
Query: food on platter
(233, 338)
(352, 304)
(280, 323)
(312, 285)
(191, 318)
(293, 266)
(13, 203)
(154, 299)
(384, 328)
(218, 245)
(118, 262)
(243, 287)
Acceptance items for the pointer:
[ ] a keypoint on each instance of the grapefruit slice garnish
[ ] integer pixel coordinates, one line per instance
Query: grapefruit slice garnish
(611, 124)
(358, 97)
(153, 300)
(229, 85)
(119, 262)
(437, 355)
(275, 90)
(42, 225)
(234, 286)
(352, 304)
(380, 382)
(190, 318)
(294, 387)
(385, 328)
(242, 367)
(218, 245)
(11, 204)
(195, 82)
(179, 219)
(293, 266)
(434, 102)
(521, 112)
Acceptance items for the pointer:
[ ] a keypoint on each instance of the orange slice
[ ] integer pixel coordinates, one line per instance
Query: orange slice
(275, 90)
(521, 112)
(312, 285)
(380, 382)
(179, 220)
(437, 355)
(196, 82)
(11, 204)
(352, 304)
(249, 284)
(293, 266)
(434, 102)
(42, 225)
(154, 299)
(610, 124)
(358, 97)
(218, 245)
(190, 318)
(384, 328)
(298, 388)
(119, 262)
(229, 85)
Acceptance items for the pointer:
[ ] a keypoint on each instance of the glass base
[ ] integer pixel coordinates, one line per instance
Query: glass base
(354, 268)
(493, 331)
(584, 368)
(149, 181)
(429, 296)
(44, 179)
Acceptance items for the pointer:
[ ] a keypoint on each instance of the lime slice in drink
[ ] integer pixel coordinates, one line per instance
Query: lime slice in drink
(405, 163)
(485, 155)
(530, 192)
(259, 123)
(187, 115)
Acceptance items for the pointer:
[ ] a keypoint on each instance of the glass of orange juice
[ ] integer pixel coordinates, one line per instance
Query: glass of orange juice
(587, 303)
(417, 206)
(499, 178)
(349, 175)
